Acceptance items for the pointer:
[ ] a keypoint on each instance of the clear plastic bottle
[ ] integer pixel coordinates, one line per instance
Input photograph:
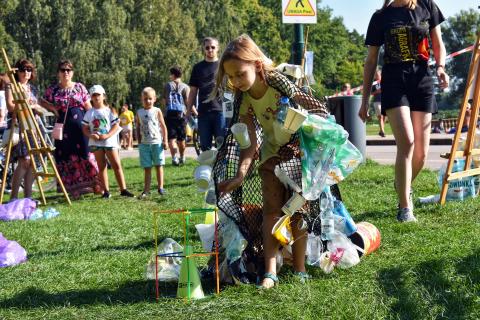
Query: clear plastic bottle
(283, 109)
(326, 216)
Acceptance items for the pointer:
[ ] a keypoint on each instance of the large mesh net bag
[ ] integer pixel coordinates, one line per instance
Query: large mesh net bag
(244, 205)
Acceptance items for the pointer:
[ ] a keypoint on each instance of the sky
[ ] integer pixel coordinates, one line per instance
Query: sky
(357, 13)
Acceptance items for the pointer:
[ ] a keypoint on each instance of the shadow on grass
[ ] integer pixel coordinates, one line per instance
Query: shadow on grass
(442, 290)
(128, 293)
(370, 215)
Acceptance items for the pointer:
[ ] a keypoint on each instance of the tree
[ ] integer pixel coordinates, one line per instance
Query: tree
(459, 32)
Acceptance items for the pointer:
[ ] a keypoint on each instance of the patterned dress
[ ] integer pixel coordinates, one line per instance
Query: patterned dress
(76, 165)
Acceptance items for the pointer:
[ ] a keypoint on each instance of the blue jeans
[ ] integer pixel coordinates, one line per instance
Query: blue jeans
(210, 125)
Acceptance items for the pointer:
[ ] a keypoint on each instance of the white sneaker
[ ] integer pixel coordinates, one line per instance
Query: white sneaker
(405, 215)
(175, 161)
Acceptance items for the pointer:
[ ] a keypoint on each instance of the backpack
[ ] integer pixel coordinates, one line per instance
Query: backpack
(175, 102)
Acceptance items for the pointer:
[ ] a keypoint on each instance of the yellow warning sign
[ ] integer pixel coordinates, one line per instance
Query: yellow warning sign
(296, 8)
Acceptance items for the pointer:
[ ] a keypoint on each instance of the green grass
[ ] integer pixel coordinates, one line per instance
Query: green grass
(373, 128)
(89, 262)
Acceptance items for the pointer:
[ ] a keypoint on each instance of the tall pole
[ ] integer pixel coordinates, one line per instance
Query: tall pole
(298, 44)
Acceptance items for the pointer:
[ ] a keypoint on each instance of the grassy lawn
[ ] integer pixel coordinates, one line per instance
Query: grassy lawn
(373, 128)
(89, 262)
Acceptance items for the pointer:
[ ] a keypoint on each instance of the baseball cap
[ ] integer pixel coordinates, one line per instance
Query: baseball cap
(96, 89)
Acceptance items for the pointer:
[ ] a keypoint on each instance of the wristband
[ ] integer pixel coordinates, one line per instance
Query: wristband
(440, 66)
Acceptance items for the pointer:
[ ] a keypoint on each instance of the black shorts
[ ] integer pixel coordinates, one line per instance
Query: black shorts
(408, 84)
(176, 128)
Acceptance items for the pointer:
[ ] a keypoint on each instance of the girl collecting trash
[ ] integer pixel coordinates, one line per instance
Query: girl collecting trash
(258, 89)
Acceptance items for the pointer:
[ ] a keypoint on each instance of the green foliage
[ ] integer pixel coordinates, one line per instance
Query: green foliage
(127, 45)
(459, 32)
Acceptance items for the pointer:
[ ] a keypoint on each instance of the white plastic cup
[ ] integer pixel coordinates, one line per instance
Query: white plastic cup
(202, 175)
(240, 132)
(207, 157)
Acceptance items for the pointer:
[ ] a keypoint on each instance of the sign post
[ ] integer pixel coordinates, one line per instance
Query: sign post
(298, 12)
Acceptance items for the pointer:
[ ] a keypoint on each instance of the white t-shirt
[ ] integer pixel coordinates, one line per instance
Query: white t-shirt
(100, 121)
(150, 125)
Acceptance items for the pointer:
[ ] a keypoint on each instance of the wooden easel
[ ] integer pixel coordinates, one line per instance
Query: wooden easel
(40, 152)
(472, 91)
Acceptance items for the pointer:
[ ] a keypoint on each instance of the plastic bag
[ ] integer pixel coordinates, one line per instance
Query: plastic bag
(231, 238)
(327, 156)
(347, 225)
(458, 189)
(38, 214)
(343, 248)
(207, 235)
(168, 266)
(19, 209)
(11, 253)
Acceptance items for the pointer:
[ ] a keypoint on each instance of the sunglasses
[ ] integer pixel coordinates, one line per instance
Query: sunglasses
(210, 47)
(65, 70)
(25, 69)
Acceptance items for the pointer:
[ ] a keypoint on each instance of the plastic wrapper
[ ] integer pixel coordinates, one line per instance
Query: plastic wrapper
(462, 188)
(168, 266)
(11, 253)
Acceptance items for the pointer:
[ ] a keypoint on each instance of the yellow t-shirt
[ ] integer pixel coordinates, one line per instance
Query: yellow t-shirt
(126, 118)
(265, 111)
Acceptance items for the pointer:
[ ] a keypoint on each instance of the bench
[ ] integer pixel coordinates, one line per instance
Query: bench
(448, 123)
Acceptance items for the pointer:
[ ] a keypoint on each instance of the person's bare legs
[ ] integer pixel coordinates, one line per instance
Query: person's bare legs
(159, 171)
(299, 245)
(114, 160)
(19, 174)
(147, 180)
(102, 169)
(402, 128)
(422, 122)
(172, 144)
(181, 148)
(381, 123)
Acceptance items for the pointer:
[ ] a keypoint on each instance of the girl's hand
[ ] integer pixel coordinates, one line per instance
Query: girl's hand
(363, 112)
(229, 185)
(164, 146)
(443, 78)
(95, 136)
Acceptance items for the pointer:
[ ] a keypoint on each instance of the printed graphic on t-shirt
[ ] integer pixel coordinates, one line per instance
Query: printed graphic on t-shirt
(407, 43)
(149, 129)
(100, 125)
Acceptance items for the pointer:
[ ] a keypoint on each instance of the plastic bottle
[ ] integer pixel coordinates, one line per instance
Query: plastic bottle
(283, 109)
(326, 216)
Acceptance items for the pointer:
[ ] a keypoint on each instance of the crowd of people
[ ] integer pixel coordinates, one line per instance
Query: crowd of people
(90, 128)
(93, 132)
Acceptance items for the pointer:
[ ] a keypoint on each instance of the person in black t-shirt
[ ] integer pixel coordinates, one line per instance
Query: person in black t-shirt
(403, 27)
(211, 121)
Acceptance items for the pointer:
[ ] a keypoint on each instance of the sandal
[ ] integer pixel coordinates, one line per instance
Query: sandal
(302, 277)
(269, 276)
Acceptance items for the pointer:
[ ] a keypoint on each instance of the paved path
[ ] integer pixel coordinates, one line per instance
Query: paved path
(383, 151)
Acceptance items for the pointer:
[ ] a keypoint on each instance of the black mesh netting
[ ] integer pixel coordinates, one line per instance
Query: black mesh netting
(244, 205)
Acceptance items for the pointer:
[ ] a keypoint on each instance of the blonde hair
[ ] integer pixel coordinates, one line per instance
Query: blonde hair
(244, 49)
(411, 4)
(148, 90)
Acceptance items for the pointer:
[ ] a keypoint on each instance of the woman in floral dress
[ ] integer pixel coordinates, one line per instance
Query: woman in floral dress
(70, 101)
